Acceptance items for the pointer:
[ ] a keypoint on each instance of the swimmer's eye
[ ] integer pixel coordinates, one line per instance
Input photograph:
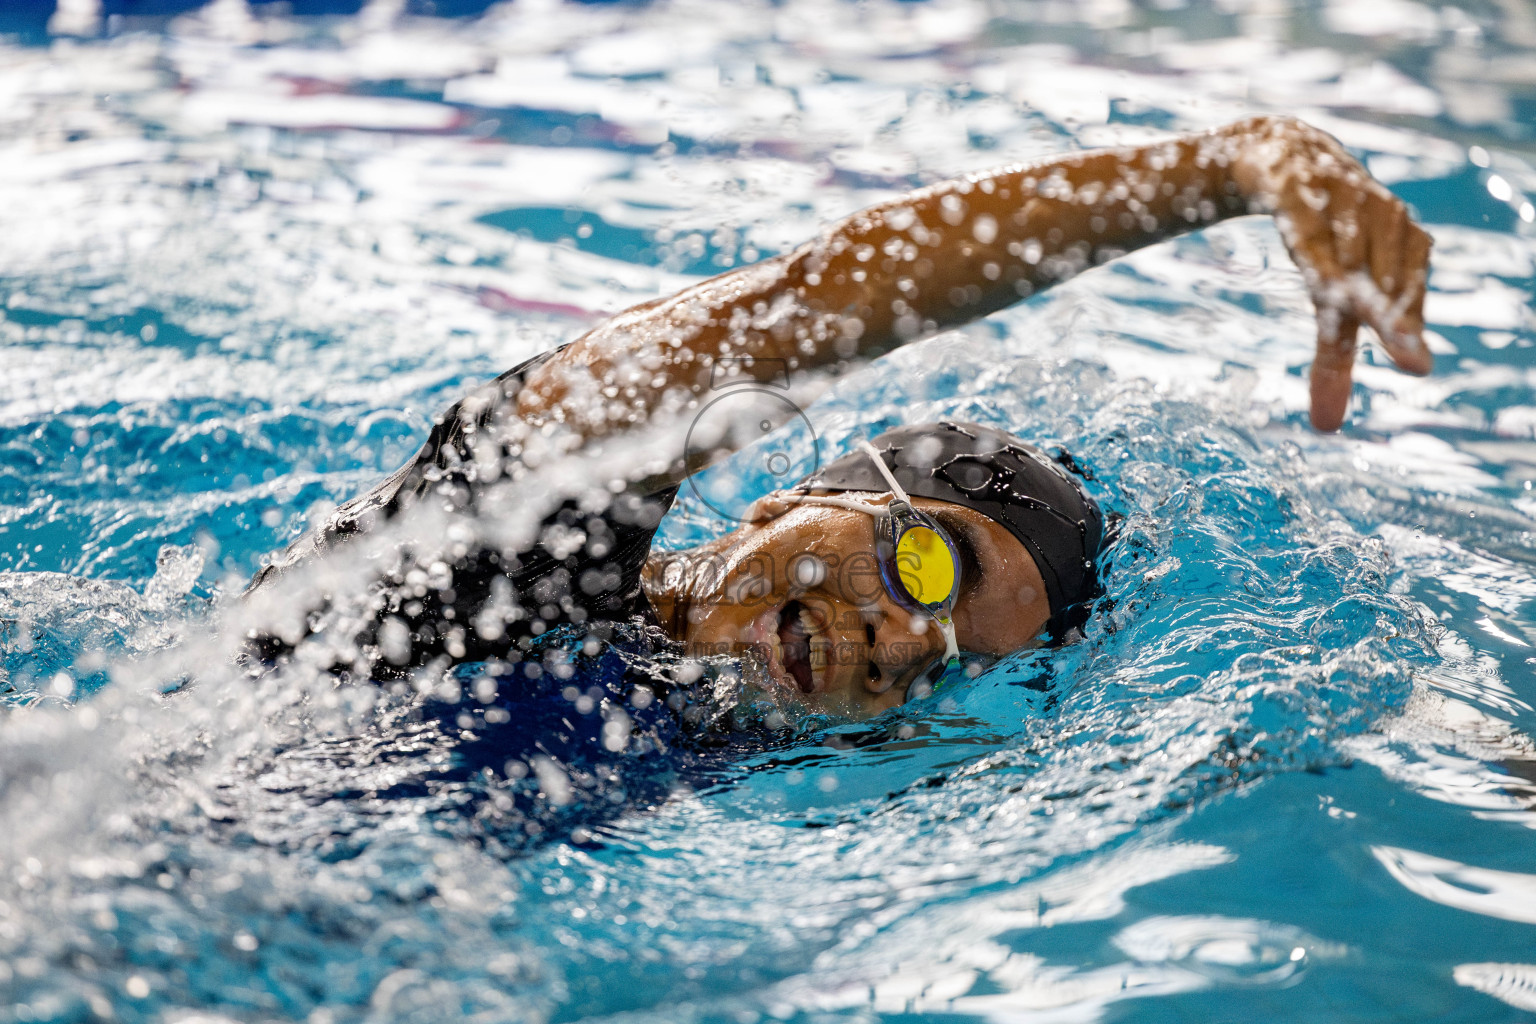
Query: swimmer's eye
(965, 546)
(918, 561)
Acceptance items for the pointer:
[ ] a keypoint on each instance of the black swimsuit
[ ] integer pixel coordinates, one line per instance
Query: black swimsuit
(597, 582)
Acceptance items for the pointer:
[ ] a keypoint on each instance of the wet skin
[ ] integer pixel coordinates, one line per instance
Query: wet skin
(935, 258)
(800, 585)
(957, 250)
(938, 257)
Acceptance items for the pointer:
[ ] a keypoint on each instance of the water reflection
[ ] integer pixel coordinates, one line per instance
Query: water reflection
(1504, 894)
(1514, 984)
(249, 257)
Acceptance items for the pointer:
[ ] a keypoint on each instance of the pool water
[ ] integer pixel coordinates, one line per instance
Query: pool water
(249, 256)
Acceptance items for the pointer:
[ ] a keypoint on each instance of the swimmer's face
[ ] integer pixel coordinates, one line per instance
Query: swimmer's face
(801, 585)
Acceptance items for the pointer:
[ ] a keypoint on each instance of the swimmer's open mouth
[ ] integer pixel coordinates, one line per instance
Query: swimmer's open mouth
(803, 646)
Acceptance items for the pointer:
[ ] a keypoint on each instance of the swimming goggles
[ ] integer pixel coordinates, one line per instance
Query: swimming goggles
(919, 565)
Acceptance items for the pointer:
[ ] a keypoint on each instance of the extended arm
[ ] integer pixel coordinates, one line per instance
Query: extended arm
(958, 250)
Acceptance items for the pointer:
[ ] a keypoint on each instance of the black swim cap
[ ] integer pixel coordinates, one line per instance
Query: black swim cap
(1005, 479)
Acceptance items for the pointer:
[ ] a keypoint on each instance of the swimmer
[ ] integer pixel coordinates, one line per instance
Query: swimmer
(860, 586)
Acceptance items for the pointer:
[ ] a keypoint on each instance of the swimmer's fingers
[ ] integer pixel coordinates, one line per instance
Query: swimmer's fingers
(1365, 261)
(1322, 226)
(1310, 233)
(1405, 341)
(1333, 363)
(1363, 258)
(1333, 367)
(1392, 301)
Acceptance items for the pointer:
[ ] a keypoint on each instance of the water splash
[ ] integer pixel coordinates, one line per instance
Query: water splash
(239, 281)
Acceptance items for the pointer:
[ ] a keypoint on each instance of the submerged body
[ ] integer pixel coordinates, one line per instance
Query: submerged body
(935, 258)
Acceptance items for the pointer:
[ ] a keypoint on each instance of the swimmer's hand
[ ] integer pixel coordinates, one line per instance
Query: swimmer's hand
(1363, 258)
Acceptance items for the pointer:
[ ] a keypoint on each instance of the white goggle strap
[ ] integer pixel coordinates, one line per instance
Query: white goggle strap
(951, 645)
(849, 503)
(885, 471)
(854, 503)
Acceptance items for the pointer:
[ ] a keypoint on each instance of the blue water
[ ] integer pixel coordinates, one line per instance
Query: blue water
(249, 256)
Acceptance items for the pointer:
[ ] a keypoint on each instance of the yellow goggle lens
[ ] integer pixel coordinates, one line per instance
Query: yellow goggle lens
(926, 566)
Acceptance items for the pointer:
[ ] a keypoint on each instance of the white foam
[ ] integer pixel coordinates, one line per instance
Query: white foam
(1514, 984)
